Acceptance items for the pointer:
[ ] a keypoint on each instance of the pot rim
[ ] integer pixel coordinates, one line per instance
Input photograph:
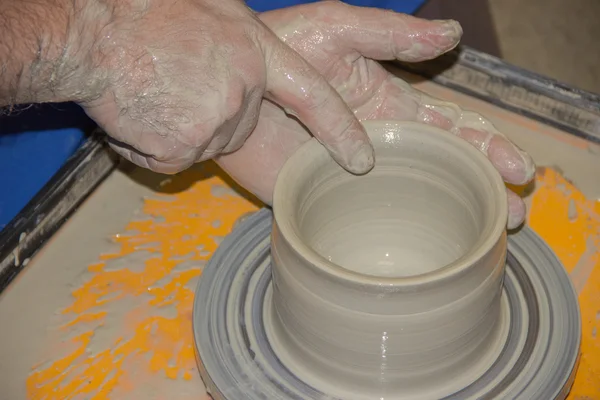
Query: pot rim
(298, 160)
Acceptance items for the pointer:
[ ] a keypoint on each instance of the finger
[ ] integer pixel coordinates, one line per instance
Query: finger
(387, 35)
(515, 166)
(402, 101)
(170, 166)
(147, 146)
(249, 111)
(303, 92)
(516, 210)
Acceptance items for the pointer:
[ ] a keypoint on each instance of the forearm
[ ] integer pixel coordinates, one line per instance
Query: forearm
(33, 37)
(44, 47)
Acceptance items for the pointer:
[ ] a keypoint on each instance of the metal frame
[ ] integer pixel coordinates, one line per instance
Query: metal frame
(465, 70)
(27, 233)
(526, 93)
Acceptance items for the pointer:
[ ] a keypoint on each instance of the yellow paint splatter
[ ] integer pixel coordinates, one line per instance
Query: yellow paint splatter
(148, 305)
(570, 224)
(144, 305)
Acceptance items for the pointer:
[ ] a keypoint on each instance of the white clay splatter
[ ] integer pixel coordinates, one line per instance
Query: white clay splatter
(572, 211)
(584, 267)
(222, 191)
(134, 262)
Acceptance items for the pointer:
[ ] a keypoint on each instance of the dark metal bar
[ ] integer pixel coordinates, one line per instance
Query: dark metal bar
(526, 93)
(51, 207)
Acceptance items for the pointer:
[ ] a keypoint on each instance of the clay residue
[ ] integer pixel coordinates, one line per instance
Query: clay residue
(144, 218)
(149, 246)
(189, 265)
(218, 239)
(242, 218)
(17, 250)
(165, 182)
(134, 262)
(202, 252)
(123, 329)
(185, 257)
(192, 284)
(572, 213)
(584, 267)
(222, 191)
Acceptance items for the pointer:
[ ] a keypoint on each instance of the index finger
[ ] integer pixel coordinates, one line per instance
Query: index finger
(296, 86)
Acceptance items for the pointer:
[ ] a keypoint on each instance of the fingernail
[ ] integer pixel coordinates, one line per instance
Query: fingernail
(516, 215)
(363, 160)
(516, 210)
(515, 166)
(514, 220)
(453, 29)
(450, 32)
(529, 165)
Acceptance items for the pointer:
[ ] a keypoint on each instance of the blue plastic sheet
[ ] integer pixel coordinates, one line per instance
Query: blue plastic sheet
(35, 143)
(403, 6)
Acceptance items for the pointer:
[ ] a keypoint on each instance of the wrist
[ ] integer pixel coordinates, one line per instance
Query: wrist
(46, 47)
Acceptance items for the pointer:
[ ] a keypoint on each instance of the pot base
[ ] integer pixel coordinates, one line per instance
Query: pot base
(539, 338)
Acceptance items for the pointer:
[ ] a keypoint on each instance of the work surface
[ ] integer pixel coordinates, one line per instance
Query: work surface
(104, 311)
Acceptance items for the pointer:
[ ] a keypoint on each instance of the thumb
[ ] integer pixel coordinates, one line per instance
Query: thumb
(297, 87)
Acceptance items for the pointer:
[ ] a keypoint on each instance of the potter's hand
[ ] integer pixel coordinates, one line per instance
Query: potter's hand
(188, 78)
(340, 41)
(172, 82)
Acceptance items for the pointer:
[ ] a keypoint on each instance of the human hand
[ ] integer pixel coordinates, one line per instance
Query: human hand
(181, 81)
(341, 42)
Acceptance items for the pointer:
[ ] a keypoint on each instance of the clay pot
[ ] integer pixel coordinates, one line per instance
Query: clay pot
(388, 285)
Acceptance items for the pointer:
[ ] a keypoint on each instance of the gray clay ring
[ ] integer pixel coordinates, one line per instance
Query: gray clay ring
(237, 362)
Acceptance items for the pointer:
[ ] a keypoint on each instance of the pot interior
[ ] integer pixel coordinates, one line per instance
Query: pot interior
(429, 202)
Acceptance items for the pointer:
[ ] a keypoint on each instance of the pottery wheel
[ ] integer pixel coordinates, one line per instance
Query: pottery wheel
(237, 361)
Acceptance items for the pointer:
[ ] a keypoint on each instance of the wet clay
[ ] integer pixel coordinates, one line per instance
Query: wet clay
(240, 358)
(380, 291)
(35, 299)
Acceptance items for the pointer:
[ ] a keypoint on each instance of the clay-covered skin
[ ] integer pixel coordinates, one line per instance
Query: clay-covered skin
(341, 42)
(180, 81)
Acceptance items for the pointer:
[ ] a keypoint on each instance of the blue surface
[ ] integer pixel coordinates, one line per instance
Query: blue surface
(403, 6)
(35, 143)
